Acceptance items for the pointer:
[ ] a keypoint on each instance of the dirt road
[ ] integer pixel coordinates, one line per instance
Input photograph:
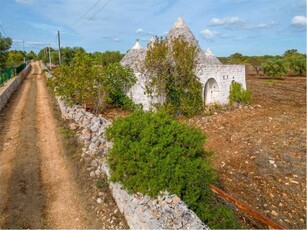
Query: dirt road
(38, 187)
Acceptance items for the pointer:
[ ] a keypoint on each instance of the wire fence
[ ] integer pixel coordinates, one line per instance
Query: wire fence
(8, 73)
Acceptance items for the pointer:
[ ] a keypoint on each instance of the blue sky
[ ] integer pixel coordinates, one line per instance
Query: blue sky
(250, 27)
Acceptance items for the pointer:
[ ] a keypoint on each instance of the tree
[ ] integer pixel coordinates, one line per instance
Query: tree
(275, 68)
(15, 57)
(237, 58)
(97, 87)
(296, 62)
(107, 57)
(68, 53)
(5, 45)
(256, 62)
(290, 52)
(116, 82)
(170, 65)
(298, 66)
(43, 54)
(31, 55)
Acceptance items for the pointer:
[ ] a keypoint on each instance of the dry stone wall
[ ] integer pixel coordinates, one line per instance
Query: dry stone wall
(141, 212)
(167, 211)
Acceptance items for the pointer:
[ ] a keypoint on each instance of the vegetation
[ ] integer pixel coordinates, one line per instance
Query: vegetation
(82, 82)
(153, 152)
(172, 76)
(15, 58)
(68, 54)
(107, 57)
(290, 63)
(238, 95)
(5, 45)
(275, 68)
(31, 56)
(296, 62)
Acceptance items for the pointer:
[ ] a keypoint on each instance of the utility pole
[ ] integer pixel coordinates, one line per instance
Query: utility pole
(24, 53)
(59, 42)
(49, 57)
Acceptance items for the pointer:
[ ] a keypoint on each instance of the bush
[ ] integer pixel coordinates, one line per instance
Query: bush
(238, 95)
(170, 64)
(117, 80)
(82, 82)
(276, 68)
(152, 152)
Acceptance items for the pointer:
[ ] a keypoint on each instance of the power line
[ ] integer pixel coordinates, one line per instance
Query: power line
(3, 30)
(100, 9)
(93, 15)
(83, 15)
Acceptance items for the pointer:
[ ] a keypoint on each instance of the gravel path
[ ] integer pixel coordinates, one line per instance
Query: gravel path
(39, 188)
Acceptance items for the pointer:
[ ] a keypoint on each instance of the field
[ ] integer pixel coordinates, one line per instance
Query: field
(260, 150)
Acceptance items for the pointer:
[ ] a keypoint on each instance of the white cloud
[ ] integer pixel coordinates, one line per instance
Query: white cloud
(225, 21)
(142, 32)
(265, 25)
(259, 26)
(25, 1)
(139, 31)
(209, 34)
(299, 21)
(111, 38)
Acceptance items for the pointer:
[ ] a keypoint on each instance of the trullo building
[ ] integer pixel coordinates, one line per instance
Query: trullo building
(215, 77)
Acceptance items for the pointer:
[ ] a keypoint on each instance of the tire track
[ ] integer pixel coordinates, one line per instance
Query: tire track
(26, 201)
(64, 209)
(9, 135)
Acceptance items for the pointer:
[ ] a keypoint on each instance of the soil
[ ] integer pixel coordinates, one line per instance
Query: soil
(259, 151)
(41, 187)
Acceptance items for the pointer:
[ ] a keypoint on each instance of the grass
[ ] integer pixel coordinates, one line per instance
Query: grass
(211, 109)
(69, 141)
(102, 183)
(272, 81)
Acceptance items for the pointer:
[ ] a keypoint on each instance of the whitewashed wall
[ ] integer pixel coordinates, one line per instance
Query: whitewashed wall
(224, 75)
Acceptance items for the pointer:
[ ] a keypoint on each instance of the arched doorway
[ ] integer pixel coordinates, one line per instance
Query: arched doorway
(211, 92)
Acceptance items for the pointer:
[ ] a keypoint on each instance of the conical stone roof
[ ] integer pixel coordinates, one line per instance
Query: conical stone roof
(135, 57)
(137, 46)
(152, 42)
(207, 58)
(180, 28)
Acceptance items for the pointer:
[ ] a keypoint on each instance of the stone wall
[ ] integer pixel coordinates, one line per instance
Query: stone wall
(10, 86)
(223, 75)
(141, 212)
(167, 211)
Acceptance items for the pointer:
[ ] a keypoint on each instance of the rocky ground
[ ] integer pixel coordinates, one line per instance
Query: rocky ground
(260, 150)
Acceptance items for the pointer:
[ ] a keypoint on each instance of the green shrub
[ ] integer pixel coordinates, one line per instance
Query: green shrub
(152, 152)
(238, 95)
(276, 68)
(117, 80)
(171, 70)
(82, 82)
